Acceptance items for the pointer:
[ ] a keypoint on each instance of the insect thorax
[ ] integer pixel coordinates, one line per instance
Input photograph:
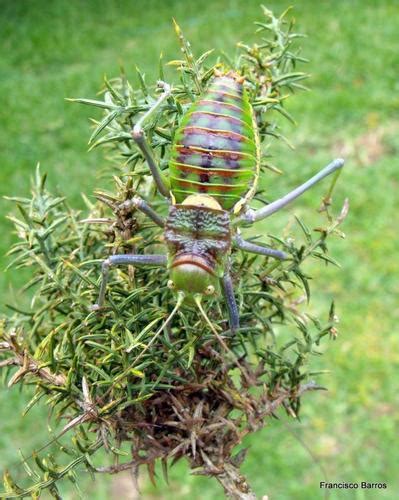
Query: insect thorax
(198, 239)
(216, 148)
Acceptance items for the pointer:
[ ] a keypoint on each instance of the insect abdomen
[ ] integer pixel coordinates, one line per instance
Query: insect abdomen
(215, 151)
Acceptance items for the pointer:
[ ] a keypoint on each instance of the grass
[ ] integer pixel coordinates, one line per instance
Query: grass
(52, 50)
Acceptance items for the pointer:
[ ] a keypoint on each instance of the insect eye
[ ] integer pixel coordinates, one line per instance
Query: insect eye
(171, 284)
(210, 290)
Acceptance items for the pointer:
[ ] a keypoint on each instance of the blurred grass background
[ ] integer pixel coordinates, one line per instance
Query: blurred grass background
(52, 50)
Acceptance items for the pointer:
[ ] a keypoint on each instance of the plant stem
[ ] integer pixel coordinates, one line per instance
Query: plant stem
(234, 483)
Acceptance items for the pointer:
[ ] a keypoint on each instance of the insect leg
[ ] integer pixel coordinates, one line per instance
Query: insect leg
(253, 248)
(228, 293)
(124, 259)
(141, 141)
(140, 204)
(252, 216)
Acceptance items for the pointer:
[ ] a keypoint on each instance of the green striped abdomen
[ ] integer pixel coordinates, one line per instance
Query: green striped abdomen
(216, 147)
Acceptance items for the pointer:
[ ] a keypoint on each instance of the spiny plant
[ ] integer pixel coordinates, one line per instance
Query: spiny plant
(170, 378)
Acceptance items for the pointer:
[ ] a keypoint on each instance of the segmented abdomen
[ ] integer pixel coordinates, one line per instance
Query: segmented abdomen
(215, 151)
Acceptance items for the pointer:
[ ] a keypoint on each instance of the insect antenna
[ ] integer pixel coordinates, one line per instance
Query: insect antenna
(197, 299)
(310, 452)
(180, 299)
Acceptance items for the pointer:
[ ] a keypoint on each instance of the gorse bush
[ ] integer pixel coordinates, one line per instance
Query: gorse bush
(167, 378)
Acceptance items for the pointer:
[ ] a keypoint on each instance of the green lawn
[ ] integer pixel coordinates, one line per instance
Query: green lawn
(52, 50)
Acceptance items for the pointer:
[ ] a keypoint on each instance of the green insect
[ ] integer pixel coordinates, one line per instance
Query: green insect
(213, 175)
